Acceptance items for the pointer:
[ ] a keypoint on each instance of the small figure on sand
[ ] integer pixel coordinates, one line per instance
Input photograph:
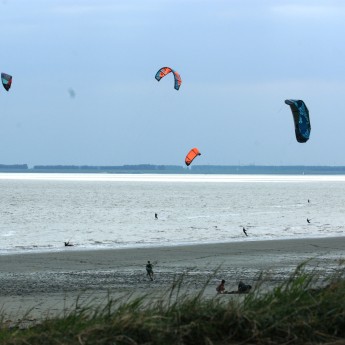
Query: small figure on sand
(149, 270)
(156, 216)
(308, 220)
(245, 231)
(221, 287)
(243, 288)
(68, 244)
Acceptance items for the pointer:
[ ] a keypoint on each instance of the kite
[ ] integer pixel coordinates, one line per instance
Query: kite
(71, 92)
(166, 70)
(301, 119)
(6, 80)
(191, 155)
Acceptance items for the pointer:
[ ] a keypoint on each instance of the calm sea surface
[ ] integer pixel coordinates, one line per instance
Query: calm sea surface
(38, 212)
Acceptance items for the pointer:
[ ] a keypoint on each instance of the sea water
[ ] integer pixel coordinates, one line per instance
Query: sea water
(39, 212)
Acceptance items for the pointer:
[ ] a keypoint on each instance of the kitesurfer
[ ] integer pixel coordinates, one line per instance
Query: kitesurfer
(308, 220)
(245, 231)
(149, 270)
(68, 244)
(156, 216)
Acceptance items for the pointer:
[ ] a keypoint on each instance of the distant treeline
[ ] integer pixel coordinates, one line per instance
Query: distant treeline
(177, 169)
(13, 167)
(111, 168)
(266, 169)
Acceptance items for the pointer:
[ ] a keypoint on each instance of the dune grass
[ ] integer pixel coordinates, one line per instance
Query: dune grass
(305, 309)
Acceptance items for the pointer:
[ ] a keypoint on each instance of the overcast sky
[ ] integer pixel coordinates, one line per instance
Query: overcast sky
(238, 60)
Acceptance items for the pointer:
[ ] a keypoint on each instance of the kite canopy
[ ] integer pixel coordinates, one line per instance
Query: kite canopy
(166, 70)
(191, 155)
(301, 119)
(6, 81)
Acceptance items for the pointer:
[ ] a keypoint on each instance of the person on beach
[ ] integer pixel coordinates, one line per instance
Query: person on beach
(221, 287)
(243, 288)
(245, 231)
(156, 216)
(149, 270)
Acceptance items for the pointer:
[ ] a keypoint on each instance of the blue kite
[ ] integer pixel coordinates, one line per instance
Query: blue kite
(301, 119)
(6, 81)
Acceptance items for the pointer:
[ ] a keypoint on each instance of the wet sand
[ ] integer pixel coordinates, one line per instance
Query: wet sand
(39, 285)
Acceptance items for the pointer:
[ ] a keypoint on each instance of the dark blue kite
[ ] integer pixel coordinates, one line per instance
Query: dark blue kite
(6, 81)
(301, 119)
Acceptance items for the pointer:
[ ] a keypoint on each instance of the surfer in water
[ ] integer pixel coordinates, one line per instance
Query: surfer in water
(308, 220)
(245, 231)
(156, 216)
(68, 244)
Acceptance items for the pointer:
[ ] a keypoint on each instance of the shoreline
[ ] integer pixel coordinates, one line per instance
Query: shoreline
(46, 283)
(76, 250)
(79, 249)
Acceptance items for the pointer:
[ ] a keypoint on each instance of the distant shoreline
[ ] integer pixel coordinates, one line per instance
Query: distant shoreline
(75, 251)
(176, 169)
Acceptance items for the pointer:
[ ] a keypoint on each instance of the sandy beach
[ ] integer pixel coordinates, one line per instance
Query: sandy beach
(39, 285)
